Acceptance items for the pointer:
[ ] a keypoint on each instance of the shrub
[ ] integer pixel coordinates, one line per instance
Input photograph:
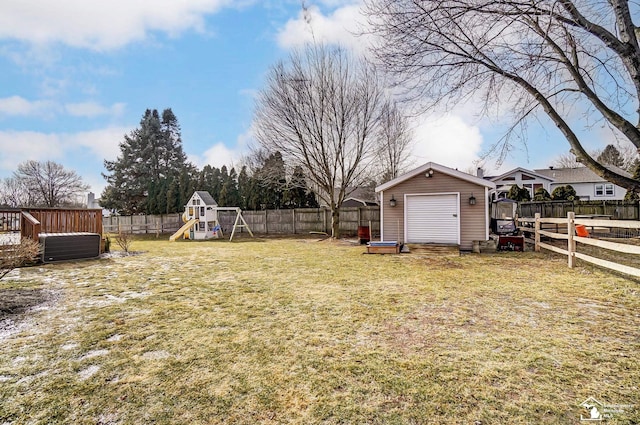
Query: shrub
(519, 194)
(541, 195)
(124, 240)
(15, 256)
(564, 193)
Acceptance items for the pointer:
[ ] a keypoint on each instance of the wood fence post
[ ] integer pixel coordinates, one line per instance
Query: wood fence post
(537, 232)
(571, 244)
(294, 221)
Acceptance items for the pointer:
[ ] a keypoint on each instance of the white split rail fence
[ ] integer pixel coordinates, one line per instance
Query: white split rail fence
(535, 226)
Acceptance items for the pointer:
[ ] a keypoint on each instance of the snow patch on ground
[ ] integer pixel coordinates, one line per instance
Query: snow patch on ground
(156, 355)
(94, 353)
(88, 372)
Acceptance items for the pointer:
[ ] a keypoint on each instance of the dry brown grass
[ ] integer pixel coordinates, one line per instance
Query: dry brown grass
(300, 331)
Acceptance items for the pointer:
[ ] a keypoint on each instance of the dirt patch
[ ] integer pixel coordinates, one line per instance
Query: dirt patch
(18, 301)
(14, 303)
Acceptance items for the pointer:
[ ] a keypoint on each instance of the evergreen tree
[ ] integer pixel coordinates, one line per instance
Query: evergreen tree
(151, 157)
(297, 194)
(611, 156)
(244, 188)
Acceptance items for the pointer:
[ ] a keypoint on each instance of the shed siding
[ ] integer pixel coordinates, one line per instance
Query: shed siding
(473, 221)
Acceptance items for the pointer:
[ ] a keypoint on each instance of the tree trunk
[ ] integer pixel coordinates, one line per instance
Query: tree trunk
(335, 222)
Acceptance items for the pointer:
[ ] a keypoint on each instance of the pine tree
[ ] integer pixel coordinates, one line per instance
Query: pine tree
(611, 156)
(151, 157)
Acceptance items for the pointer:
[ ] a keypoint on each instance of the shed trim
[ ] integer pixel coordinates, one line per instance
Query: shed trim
(437, 168)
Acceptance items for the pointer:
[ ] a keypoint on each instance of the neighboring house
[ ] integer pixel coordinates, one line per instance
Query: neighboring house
(356, 197)
(530, 180)
(94, 203)
(587, 184)
(435, 204)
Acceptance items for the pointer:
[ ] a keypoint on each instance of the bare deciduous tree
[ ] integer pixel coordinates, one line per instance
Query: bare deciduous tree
(567, 160)
(49, 184)
(13, 193)
(321, 110)
(394, 141)
(577, 61)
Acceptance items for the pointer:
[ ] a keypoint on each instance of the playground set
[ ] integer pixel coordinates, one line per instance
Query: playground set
(201, 221)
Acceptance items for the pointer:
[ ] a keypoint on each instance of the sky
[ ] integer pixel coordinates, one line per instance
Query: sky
(78, 75)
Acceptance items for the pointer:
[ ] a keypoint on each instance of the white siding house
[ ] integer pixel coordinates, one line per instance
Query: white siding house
(588, 185)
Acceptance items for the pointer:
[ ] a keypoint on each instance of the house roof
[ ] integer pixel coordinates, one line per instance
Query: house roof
(436, 168)
(577, 175)
(523, 170)
(206, 197)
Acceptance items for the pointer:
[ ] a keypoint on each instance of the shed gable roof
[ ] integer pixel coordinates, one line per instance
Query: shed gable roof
(436, 168)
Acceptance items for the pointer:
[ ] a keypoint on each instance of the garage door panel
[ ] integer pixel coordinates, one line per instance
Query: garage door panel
(432, 219)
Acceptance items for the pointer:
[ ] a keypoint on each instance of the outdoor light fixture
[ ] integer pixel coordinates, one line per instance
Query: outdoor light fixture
(429, 173)
(472, 200)
(392, 201)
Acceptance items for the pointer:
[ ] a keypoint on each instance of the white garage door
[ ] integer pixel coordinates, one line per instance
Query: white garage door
(433, 219)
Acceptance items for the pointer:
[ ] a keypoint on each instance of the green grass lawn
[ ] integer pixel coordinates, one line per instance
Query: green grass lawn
(304, 331)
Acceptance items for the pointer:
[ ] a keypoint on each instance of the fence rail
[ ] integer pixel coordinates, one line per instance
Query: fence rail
(282, 222)
(535, 226)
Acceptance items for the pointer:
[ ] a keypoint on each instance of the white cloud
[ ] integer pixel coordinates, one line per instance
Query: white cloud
(339, 27)
(220, 154)
(101, 25)
(20, 146)
(93, 109)
(19, 106)
(104, 143)
(447, 140)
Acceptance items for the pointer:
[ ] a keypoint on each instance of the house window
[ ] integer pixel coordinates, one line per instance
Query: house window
(526, 177)
(509, 179)
(201, 226)
(202, 211)
(605, 189)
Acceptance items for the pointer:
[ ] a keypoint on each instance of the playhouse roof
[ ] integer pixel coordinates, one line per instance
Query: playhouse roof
(206, 197)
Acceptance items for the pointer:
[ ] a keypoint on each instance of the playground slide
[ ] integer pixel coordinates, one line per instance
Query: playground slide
(184, 228)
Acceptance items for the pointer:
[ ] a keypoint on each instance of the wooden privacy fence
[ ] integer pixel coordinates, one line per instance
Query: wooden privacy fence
(617, 210)
(281, 222)
(33, 221)
(565, 229)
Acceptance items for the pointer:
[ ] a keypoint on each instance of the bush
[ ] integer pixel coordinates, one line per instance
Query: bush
(124, 240)
(564, 193)
(15, 256)
(541, 195)
(519, 194)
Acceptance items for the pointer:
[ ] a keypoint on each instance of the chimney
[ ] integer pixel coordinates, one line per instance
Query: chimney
(551, 167)
(91, 198)
(480, 172)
